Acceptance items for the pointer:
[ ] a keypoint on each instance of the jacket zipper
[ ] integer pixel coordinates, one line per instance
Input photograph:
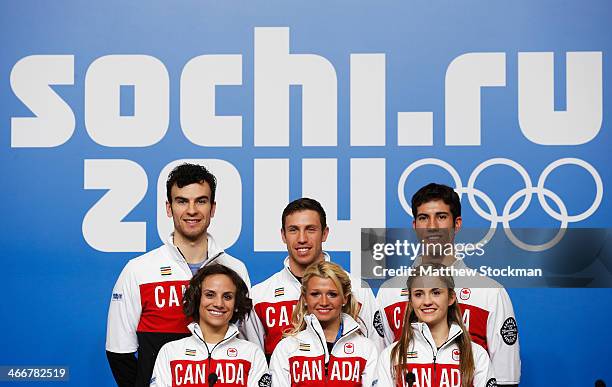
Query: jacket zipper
(207, 261)
(213, 348)
(434, 360)
(436, 352)
(325, 354)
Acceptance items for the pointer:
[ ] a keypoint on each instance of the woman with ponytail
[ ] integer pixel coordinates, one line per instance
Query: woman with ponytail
(327, 345)
(434, 348)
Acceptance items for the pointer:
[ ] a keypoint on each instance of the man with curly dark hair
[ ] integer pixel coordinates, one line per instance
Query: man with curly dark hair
(145, 310)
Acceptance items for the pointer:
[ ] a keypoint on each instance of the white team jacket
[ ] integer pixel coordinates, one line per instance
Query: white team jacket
(435, 367)
(275, 298)
(148, 294)
(487, 314)
(303, 360)
(189, 362)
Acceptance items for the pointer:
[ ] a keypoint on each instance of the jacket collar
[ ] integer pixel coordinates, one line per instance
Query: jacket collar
(326, 257)
(350, 325)
(421, 330)
(214, 251)
(196, 331)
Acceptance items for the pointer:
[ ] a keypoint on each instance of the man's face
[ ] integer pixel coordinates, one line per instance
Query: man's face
(191, 210)
(434, 226)
(304, 237)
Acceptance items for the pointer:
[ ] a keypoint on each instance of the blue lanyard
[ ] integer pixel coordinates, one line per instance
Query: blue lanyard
(340, 331)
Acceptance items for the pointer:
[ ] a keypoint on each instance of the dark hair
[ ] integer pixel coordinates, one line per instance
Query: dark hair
(193, 294)
(303, 204)
(433, 191)
(186, 174)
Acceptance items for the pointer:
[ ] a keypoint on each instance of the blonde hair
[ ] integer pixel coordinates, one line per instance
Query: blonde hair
(464, 342)
(326, 270)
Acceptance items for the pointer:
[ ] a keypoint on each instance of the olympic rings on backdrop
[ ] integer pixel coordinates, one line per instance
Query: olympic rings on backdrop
(507, 216)
(522, 245)
(598, 194)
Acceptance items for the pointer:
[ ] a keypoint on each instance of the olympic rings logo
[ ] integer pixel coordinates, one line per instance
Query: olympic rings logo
(507, 216)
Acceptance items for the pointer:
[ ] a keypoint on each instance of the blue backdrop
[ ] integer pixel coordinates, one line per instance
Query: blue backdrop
(330, 99)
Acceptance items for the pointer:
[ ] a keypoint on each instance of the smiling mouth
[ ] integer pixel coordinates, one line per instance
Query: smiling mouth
(192, 221)
(216, 313)
(303, 250)
(428, 310)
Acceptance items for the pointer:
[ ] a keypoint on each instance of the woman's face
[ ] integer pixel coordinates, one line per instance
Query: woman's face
(430, 300)
(323, 299)
(217, 302)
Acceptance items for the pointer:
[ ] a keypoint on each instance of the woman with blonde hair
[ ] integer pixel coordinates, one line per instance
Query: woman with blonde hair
(326, 345)
(434, 346)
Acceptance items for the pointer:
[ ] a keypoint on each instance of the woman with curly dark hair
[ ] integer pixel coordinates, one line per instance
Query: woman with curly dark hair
(216, 299)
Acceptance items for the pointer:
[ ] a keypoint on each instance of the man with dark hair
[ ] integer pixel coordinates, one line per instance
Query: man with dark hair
(436, 211)
(487, 310)
(304, 204)
(145, 309)
(433, 192)
(186, 174)
(304, 229)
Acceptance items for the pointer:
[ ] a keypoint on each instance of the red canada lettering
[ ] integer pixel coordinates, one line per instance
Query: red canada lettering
(346, 370)
(276, 319)
(306, 369)
(475, 320)
(161, 307)
(341, 371)
(447, 375)
(395, 317)
(168, 295)
(195, 372)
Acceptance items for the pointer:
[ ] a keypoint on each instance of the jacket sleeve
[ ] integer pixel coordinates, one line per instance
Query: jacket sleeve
(279, 365)
(258, 374)
(369, 373)
(384, 377)
(124, 368)
(252, 329)
(162, 376)
(123, 316)
(388, 336)
(502, 339)
(483, 369)
(371, 317)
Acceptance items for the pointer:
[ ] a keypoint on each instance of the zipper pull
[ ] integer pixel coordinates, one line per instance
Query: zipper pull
(434, 370)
